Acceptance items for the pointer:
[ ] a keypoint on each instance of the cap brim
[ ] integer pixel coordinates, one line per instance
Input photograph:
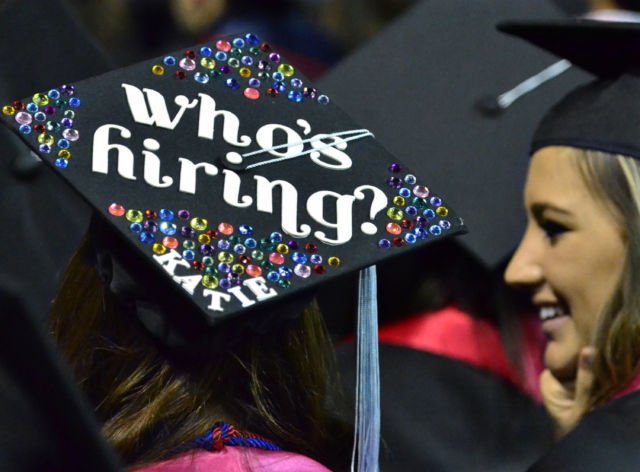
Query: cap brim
(603, 48)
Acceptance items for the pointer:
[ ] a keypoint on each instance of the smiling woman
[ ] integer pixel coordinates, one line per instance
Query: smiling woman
(580, 254)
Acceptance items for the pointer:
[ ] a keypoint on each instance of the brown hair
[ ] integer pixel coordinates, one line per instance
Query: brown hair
(615, 180)
(282, 386)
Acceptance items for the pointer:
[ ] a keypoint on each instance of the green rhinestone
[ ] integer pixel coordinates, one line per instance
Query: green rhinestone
(263, 75)
(211, 271)
(266, 244)
(284, 283)
(189, 244)
(286, 70)
(62, 105)
(257, 255)
(214, 74)
(236, 52)
(209, 281)
(134, 216)
(254, 51)
(225, 257)
(234, 239)
(419, 203)
(266, 265)
(233, 62)
(237, 268)
(208, 63)
(398, 201)
(69, 114)
(199, 224)
(395, 213)
(208, 260)
(53, 126)
(40, 99)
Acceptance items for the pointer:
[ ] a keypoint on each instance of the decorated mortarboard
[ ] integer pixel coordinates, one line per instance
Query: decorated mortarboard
(603, 114)
(230, 175)
(459, 122)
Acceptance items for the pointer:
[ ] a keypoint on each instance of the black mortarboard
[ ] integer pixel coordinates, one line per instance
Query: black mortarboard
(223, 181)
(422, 86)
(603, 114)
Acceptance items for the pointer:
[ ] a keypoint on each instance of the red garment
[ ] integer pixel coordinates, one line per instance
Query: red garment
(452, 333)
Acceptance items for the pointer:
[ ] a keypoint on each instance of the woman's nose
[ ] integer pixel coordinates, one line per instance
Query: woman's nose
(524, 268)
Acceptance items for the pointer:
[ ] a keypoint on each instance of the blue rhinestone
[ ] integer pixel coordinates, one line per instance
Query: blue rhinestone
(279, 86)
(46, 149)
(285, 272)
(251, 243)
(253, 82)
(245, 230)
(25, 129)
(435, 201)
(224, 244)
(239, 249)
(384, 244)
(410, 238)
(61, 163)
(40, 116)
(169, 61)
(146, 238)
(435, 230)
(221, 56)
(296, 83)
(421, 222)
(66, 122)
(278, 76)
(411, 211)
(188, 255)
(168, 228)
(232, 83)
(74, 102)
(421, 233)
(275, 237)
(206, 51)
(201, 77)
(224, 283)
(295, 96)
(166, 215)
(251, 39)
(444, 224)
(316, 259)
(206, 249)
(299, 258)
(224, 267)
(323, 100)
(135, 227)
(410, 179)
(429, 214)
(32, 107)
(404, 192)
(273, 276)
(247, 61)
(187, 232)
(238, 42)
(63, 144)
(53, 94)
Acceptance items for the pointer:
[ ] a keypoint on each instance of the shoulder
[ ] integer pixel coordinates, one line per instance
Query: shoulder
(237, 459)
(608, 438)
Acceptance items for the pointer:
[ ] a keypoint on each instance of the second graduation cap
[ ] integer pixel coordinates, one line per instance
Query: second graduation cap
(224, 172)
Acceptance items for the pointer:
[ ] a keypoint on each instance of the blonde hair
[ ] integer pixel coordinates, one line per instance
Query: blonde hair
(615, 181)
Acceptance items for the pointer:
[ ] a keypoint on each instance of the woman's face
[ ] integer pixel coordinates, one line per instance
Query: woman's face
(571, 256)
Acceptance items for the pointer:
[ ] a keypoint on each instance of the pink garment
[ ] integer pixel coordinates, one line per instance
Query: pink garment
(237, 459)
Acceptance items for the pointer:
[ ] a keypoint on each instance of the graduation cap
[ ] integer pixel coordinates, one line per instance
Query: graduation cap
(437, 87)
(225, 186)
(603, 114)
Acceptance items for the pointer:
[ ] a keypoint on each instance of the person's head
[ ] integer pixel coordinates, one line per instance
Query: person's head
(580, 254)
(580, 257)
(282, 385)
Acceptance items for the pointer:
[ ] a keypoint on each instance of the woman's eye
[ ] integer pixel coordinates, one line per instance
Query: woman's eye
(552, 229)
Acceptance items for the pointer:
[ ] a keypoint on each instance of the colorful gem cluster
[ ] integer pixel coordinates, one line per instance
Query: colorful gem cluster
(225, 255)
(50, 119)
(244, 63)
(415, 214)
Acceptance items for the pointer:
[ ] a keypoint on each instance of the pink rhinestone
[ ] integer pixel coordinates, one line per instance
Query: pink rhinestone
(253, 270)
(251, 93)
(394, 228)
(23, 118)
(225, 228)
(170, 242)
(116, 210)
(276, 258)
(223, 46)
